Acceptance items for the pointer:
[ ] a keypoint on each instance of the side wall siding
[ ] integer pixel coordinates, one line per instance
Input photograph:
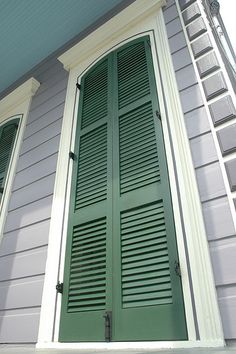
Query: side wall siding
(205, 107)
(24, 246)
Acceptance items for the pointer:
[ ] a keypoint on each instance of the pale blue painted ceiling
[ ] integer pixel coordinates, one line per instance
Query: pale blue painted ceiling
(30, 30)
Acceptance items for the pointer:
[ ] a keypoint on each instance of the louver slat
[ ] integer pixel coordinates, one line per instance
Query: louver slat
(6, 142)
(145, 260)
(135, 154)
(7, 138)
(92, 173)
(95, 95)
(87, 286)
(133, 81)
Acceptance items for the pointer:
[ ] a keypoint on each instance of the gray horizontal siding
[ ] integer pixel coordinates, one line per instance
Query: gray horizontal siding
(215, 205)
(39, 153)
(177, 42)
(42, 136)
(19, 326)
(34, 191)
(173, 27)
(210, 182)
(197, 122)
(191, 98)
(186, 77)
(26, 238)
(20, 294)
(38, 170)
(181, 59)
(227, 304)
(24, 246)
(50, 104)
(16, 266)
(218, 219)
(29, 214)
(44, 121)
(203, 150)
(222, 251)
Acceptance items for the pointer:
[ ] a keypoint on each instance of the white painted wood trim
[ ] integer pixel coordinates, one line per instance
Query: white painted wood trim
(19, 95)
(119, 24)
(131, 346)
(207, 311)
(53, 265)
(15, 105)
(78, 59)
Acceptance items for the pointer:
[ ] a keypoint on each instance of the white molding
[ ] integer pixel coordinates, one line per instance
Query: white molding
(130, 346)
(15, 105)
(53, 264)
(207, 311)
(156, 38)
(120, 29)
(19, 95)
(113, 28)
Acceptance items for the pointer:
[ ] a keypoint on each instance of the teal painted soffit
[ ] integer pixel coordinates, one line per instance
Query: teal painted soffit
(30, 30)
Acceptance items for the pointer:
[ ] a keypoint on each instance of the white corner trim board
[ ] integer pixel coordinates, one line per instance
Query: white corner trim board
(15, 105)
(207, 311)
(140, 18)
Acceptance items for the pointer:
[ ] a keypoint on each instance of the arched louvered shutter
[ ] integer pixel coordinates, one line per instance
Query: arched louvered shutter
(7, 139)
(85, 296)
(121, 247)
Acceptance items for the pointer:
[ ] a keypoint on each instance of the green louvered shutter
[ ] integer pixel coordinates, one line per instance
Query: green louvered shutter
(7, 139)
(148, 303)
(121, 248)
(86, 278)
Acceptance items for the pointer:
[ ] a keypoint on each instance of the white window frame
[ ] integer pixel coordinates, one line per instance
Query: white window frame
(15, 105)
(140, 18)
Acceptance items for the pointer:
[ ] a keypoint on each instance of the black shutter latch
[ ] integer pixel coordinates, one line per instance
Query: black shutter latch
(78, 86)
(177, 269)
(1, 190)
(108, 328)
(72, 155)
(59, 288)
(158, 114)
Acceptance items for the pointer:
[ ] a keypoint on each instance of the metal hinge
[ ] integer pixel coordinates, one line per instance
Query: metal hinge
(158, 114)
(78, 86)
(108, 327)
(177, 269)
(72, 155)
(59, 288)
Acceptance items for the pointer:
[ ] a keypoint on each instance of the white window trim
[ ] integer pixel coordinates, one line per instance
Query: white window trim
(15, 105)
(139, 18)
